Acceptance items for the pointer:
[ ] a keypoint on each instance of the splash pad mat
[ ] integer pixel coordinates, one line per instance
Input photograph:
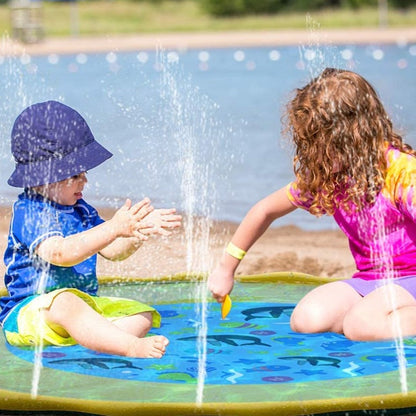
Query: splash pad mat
(255, 365)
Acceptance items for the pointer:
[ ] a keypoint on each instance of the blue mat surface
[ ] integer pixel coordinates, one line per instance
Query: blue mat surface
(254, 345)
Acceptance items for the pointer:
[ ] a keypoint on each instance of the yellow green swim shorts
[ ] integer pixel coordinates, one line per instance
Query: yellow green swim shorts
(25, 326)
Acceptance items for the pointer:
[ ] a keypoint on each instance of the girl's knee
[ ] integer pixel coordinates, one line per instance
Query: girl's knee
(358, 326)
(307, 318)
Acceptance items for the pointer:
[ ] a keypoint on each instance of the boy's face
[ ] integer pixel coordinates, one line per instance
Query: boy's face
(66, 192)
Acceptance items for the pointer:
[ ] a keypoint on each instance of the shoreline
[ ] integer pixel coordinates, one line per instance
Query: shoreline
(222, 39)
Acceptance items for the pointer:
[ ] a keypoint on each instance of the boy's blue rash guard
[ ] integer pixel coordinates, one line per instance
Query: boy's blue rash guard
(35, 219)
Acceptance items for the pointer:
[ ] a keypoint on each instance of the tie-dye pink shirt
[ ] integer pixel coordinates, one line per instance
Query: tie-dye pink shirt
(382, 237)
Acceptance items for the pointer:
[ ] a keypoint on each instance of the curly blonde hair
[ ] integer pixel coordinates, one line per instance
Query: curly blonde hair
(340, 130)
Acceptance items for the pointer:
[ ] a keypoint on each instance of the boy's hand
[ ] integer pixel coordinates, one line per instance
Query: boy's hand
(129, 221)
(162, 221)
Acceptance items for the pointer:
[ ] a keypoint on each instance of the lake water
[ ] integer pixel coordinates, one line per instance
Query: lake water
(210, 117)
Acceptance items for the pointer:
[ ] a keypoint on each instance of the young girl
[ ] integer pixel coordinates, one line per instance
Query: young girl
(348, 163)
(54, 238)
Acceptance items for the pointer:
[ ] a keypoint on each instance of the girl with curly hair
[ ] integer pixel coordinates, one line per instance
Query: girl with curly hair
(349, 163)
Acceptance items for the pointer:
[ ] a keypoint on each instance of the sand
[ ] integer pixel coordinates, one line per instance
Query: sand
(287, 248)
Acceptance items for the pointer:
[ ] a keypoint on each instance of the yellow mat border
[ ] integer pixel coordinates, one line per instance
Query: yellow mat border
(286, 277)
(24, 402)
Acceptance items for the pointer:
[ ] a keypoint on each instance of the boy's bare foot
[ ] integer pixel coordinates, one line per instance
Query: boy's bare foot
(148, 347)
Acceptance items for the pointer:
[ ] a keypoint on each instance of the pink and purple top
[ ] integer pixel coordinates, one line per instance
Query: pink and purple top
(382, 237)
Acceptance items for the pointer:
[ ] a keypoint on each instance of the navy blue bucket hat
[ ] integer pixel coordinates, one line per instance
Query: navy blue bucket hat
(51, 142)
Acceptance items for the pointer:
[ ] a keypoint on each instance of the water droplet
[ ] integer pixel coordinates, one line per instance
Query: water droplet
(274, 55)
(347, 54)
(72, 67)
(25, 59)
(111, 57)
(203, 66)
(300, 65)
(378, 54)
(158, 67)
(310, 54)
(32, 68)
(81, 58)
(204, 56)
(53, 58)
(142, 57)
(251, 65)
(412, 50)
(114, 67)
(402, 63)
(173, 57)
(239, 56)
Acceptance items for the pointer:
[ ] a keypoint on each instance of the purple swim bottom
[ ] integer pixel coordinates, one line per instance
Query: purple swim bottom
(364, 287)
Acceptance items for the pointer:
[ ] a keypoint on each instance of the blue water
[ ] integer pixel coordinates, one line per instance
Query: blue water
(226, 103)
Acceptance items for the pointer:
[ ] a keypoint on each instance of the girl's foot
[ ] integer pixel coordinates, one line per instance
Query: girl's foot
(149, 347)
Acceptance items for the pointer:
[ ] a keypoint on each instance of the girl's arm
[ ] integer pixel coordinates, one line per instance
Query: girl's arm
(255, 223)
(129, 221)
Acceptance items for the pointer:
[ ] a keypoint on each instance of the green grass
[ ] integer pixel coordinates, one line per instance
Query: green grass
(104, 17)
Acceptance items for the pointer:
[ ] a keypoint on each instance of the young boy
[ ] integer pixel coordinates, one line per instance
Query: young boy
(55, 236)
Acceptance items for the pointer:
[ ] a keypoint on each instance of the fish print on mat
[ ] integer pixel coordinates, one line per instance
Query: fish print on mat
(253, 345)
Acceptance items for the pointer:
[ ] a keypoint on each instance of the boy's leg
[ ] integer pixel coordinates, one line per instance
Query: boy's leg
(138, 325)
(386, 313)
(323, 309)
(95, 332)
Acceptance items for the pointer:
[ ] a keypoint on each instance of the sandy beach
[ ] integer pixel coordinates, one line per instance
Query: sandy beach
(287, 248)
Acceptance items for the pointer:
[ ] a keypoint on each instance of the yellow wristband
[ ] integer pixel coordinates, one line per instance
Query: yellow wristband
(234, 251)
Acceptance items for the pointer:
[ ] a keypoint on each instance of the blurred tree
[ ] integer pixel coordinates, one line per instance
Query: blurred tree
(263, 6)
(307, 5)
(245, 7)
(241, 7)
(356, 4)
(403, 4)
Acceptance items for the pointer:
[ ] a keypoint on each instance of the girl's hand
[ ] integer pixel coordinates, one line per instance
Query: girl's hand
(220, 283)
(131, 220)
(162, 221)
